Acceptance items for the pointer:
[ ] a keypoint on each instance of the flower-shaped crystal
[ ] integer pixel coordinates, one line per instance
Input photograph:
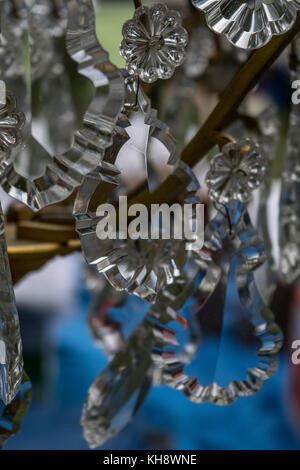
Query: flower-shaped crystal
(11, 123)
(235, 172)
(249, 24)
(154, 43)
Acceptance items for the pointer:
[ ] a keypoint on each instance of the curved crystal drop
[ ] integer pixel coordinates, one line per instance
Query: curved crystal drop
(289, 213)
(142, 267)
(120, 389)
(232, 236)
(11, 360)
(269, 127)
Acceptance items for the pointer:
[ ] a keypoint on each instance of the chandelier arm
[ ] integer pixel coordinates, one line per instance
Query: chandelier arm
(27, 256)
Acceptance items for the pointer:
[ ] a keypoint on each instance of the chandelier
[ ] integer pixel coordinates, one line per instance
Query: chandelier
(69, 121)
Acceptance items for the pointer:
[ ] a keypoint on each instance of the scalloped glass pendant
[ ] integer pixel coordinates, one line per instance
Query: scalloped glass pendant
(48, 50)
(120, 389)
(249, 24)
(225, 283)
(140, 267)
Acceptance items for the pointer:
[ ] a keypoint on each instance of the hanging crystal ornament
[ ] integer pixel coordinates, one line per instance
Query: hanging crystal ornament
(232, 244)
(11, 360)
(235, 172)
(269, 129)
(264, 127)
(41, 179)
(154, 43)
(11, 416)
(51, 114)
(120, 389)
(289, 213)
(249, 24)
(141, 267)
(54, 115)
(11, 124)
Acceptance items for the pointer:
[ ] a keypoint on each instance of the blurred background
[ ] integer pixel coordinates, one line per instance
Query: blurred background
(62, 359)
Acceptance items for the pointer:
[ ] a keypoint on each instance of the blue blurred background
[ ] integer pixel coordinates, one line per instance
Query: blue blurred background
(62, 361)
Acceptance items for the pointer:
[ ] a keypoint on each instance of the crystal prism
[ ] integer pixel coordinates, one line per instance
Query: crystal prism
(11, 361)
(120, 389)
(289, 214)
